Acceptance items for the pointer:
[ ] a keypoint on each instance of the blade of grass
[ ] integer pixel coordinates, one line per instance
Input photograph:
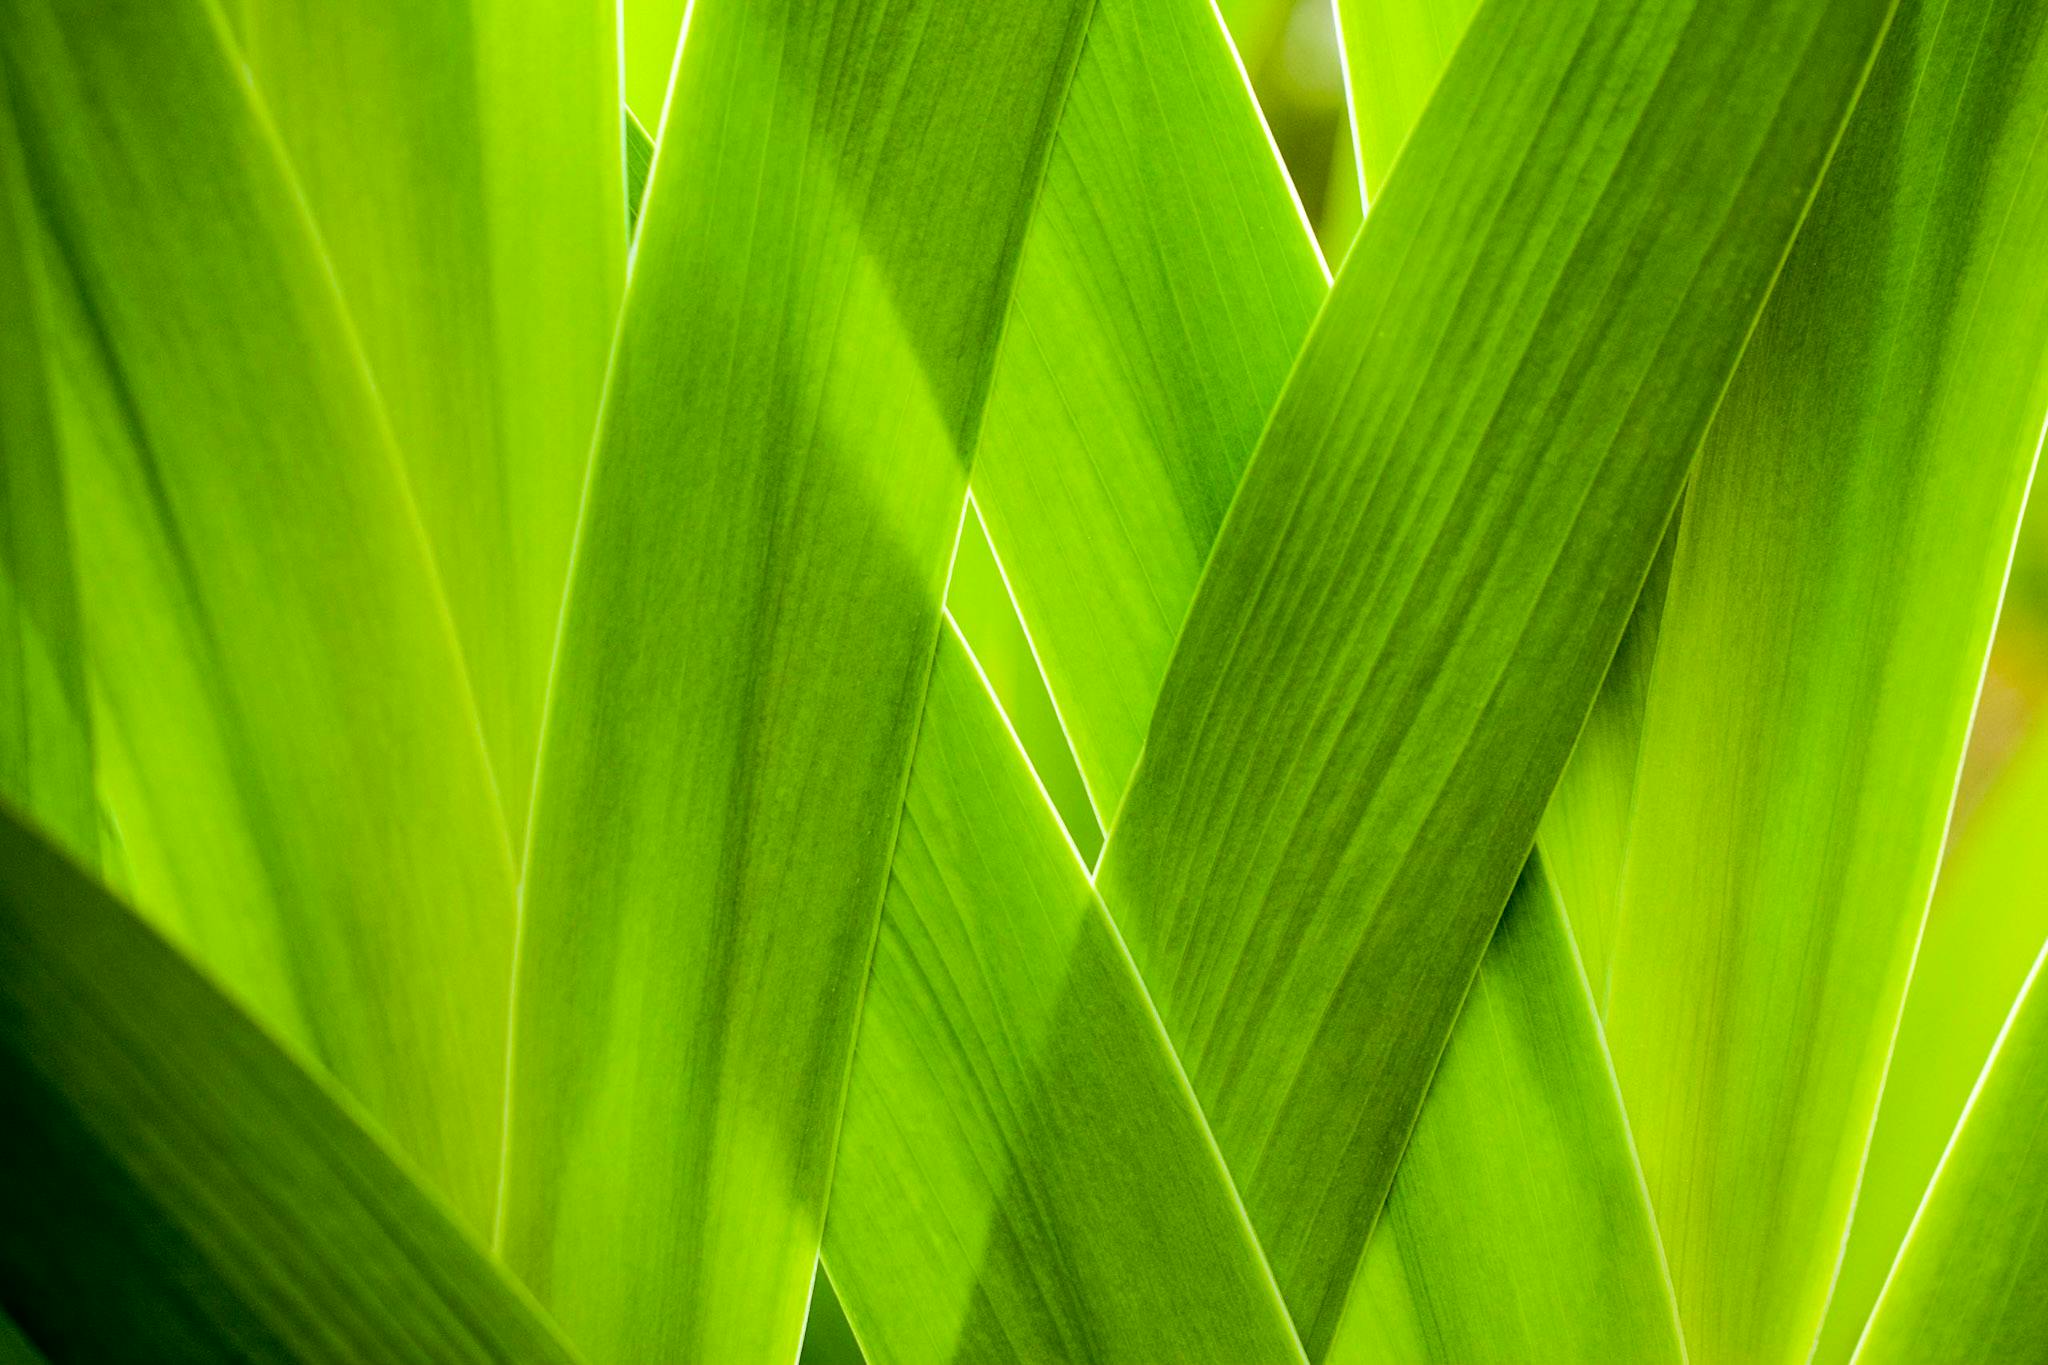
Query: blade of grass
(1517, 1228)
(780, 473)
(46, 747)
(1431, 560)
(1845, 543)
(1988, 920)
(174, 1186)
(263, 617)
(462, 163)
(1966, 1287)
(1023, 1174)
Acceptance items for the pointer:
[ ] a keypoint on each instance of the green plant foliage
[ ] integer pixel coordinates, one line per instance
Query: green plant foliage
(1297, 847)
(1965, 1284)
(220, 1202)
(443, 148)
(1395, 51)
(1988, 921)
(778, 482)
(782, 682)
(1831, 601)
(302, 794)
(46, 763)
(1023, 1173)
(1517, 1228)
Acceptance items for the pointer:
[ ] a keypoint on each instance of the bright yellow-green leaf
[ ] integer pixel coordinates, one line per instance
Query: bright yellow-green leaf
(1519, 1198)
(1831, 600)
(462, 161)
(280, 679)
(1967, 1286)
(174, 1186)
(1988, 921)
(1584, 835)
(1431, 560)
(1023, 1172)
(648, 33)
(978, 599)
(46, 763)
(1166, 284)
(821, 269)
(1395, 51)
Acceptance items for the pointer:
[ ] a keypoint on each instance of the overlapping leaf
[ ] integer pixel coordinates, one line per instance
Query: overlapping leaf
(1023, 1174)
(1431, 560)
(1988, 921)
(302, 794)
(821, 268)
(1517, 1229)
(1831, 601)
(462, 163)
(176, 1186)
(1965, 1289)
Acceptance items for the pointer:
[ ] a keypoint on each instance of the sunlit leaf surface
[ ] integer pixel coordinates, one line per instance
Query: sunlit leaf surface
(1844, 545)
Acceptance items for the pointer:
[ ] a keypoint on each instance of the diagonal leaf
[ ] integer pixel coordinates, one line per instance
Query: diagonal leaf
(979, 601)
(173, 1186)
(1519, 1197)
(279, 676)
(1988, 920)
(1831, 601)
(1395, 52)
(1023, 1174)
(1165, 287)
(46, 749)
(800, 371)
(649, 31)
(1966, 1288)
(1431, 560)
(1584, 835)
(461, 160)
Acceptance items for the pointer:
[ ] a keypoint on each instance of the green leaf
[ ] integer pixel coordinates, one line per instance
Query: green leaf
(1430, 563)
(649, 31)
(1831, 601)
(978, 601)
(46, 748)
(1584, 835)
(1166, 284)
(173, 1186)
(1988, 920)
(1966, 1288)
(1395, 51)
(639, 153)
(779, 478)
(306, 803)
(462, 163)
(1023, 1173)
(1517, 1228)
